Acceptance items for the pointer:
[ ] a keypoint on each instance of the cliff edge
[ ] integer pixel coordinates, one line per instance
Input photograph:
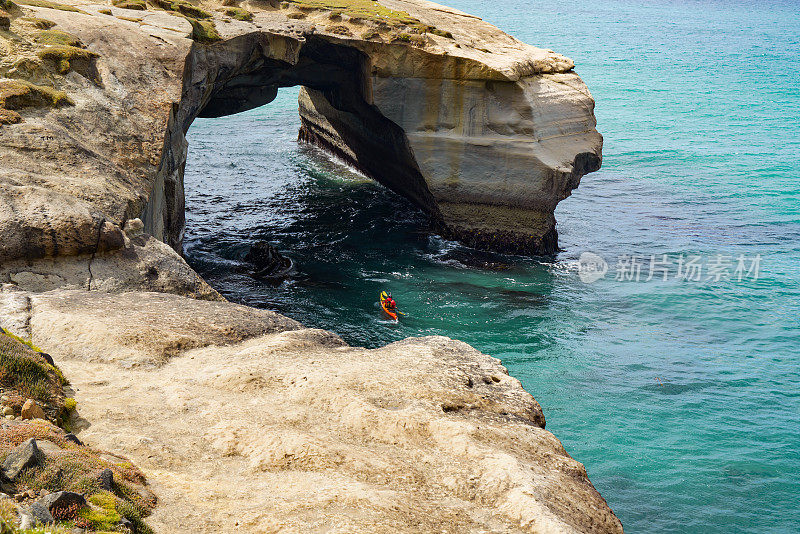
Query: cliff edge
(241, 419)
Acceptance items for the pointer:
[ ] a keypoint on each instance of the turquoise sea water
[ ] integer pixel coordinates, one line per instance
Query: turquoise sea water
(682, 398)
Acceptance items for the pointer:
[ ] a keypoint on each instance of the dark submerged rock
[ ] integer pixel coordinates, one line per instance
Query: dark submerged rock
(267, 261)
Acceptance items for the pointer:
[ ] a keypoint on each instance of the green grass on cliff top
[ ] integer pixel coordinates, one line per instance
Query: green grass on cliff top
(49, 5)
(24, 370)
(364, 9)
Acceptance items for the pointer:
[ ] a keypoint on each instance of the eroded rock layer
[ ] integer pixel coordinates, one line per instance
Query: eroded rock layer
(243, 420)
(483, 132)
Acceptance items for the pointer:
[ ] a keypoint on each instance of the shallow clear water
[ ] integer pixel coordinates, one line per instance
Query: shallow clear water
(681, 398)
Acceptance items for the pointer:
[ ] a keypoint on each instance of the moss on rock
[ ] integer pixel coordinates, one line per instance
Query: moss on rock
(239, 14)
(9, 117)
(18, 94)
(103, 515)
(36, 22)
(138, 5)
(370, 35)
(58, 38)
(183, 7)
(440, 33)
(49, 5)
(361, 9)
(339, 30)
(64, 56)
(204, 31)
(409, 38)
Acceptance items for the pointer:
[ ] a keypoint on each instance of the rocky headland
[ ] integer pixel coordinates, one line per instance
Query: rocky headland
(238, 419)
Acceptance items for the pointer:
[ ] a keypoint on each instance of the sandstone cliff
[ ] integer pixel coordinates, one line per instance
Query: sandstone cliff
(483, 132)
(243, 420)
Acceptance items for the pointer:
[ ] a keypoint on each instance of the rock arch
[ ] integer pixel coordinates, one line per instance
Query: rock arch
(487, 155)
(483, 132)
(246, 72)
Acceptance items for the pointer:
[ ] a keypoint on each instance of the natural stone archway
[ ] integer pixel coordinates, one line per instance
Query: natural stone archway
(486, 154)
(246, 72)
(483, 132)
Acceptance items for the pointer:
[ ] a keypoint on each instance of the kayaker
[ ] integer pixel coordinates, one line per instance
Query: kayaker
(389, 301)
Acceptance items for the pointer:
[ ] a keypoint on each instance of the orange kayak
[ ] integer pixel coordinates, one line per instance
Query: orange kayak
(387, 311)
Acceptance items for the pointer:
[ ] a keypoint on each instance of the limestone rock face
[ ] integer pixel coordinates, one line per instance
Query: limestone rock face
(483, 132)
(500, 133)
(292, 429)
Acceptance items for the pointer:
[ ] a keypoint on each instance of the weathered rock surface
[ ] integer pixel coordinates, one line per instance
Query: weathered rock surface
(40, 514)
(292, 429)
(482, 131)
(142, 328)
(144, 263)
(24, 456)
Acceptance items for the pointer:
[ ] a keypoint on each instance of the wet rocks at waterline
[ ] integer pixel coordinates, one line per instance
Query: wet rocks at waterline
(267, 262)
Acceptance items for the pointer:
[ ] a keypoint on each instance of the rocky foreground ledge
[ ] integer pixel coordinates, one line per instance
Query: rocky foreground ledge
(245, 421)
(242, 420)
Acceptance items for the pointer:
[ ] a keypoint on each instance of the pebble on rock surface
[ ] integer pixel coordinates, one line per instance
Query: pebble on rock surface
(31, 410)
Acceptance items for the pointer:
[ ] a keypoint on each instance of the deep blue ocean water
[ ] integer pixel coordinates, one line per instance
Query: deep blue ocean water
(681, 397)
